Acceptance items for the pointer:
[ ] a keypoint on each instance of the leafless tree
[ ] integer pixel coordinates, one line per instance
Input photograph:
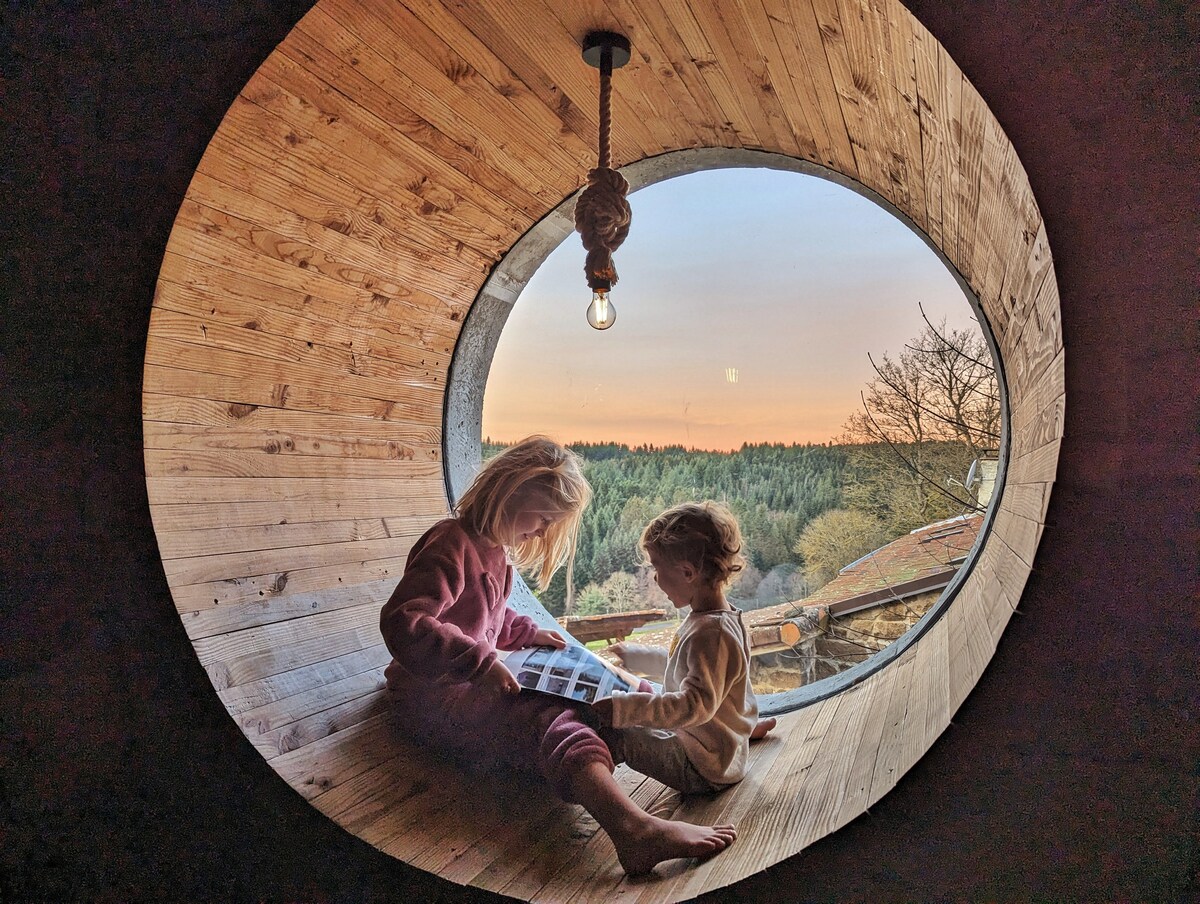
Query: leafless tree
(622, 592)
(926, 416)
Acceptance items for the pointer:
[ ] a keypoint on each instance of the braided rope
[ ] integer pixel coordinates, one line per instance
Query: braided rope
(602, 214)
(605, 107)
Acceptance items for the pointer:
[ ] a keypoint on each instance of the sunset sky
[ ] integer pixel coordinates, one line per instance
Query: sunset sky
(788, 278)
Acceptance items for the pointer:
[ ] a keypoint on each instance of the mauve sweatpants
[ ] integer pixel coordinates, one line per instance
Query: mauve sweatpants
(525, 732)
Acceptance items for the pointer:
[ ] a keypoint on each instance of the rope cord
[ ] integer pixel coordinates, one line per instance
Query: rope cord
(605, 150)
(602, 213)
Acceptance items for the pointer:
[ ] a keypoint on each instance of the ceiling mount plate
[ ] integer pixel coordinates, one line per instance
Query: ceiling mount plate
(595, 42)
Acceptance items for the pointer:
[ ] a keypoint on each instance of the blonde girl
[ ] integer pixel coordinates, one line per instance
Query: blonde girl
(448, 618)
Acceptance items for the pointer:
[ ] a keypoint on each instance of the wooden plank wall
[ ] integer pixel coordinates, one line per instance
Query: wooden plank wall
(358, 193)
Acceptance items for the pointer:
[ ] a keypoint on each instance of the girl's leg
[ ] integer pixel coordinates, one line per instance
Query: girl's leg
(578, 760)
(642, 840)
(526, 730)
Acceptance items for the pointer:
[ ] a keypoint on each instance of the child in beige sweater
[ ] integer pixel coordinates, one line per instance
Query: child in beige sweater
(694, 736)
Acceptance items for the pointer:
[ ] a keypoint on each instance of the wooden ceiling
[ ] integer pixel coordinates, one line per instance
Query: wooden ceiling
(356, 197)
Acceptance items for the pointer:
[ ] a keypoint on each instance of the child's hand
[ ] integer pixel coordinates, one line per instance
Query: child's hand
(604, 710)
(545, 638)
(498, 680)
(760, 730)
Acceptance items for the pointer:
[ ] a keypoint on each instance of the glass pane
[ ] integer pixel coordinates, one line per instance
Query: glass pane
(786, 346)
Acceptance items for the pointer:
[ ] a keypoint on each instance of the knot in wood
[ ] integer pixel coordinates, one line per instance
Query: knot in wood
(602, 218)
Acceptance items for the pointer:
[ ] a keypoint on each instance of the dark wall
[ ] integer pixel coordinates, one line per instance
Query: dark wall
(1069, 774)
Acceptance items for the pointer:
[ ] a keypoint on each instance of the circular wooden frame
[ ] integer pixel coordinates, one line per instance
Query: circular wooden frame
(339, 228)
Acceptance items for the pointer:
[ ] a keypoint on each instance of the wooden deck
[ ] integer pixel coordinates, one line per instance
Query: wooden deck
(325, 727)
(613, 626)
(348, 212)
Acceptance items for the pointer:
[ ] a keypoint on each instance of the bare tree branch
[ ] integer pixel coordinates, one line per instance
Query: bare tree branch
(986, 365)
(903, 393)
(974, 506)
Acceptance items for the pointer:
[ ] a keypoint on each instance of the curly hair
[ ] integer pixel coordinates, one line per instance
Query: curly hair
(535, 463)
(703, 534)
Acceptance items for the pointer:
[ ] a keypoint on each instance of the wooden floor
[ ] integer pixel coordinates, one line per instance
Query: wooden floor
(515, 838)
(326, 728)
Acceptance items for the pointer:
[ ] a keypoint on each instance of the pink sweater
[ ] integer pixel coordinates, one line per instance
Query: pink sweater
(447, 616)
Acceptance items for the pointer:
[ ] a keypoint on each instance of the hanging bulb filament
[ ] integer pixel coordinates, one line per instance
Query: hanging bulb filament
(601, 314)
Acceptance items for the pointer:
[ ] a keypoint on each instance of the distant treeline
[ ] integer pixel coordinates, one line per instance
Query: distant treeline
(774, 489)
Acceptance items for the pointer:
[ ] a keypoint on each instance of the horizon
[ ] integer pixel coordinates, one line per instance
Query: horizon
(747, 304)
(656, 447)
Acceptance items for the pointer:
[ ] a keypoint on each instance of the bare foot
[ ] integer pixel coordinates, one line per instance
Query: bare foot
(655, 840)
(761, 729)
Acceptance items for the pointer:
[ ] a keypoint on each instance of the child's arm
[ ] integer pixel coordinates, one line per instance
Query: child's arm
(548, 638)
(707, 657)
(518, 631)
(411, 622)
(646, 660)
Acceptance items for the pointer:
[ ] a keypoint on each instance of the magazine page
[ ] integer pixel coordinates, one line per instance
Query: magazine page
(575, 673)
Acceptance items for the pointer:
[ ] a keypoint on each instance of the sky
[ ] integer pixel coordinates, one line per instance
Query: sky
(787, 278)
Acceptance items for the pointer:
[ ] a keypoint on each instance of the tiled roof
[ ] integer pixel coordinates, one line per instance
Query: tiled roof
(919, 561)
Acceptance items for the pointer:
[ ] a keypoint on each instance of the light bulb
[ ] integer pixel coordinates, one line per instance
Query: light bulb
(601, 313)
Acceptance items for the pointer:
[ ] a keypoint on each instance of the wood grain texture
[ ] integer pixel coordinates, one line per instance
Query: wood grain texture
(356, 197)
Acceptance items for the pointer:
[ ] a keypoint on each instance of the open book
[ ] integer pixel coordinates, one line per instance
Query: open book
(575, 673)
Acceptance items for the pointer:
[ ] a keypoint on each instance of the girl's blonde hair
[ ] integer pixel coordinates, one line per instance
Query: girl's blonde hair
(703, 534)
(535, 463)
